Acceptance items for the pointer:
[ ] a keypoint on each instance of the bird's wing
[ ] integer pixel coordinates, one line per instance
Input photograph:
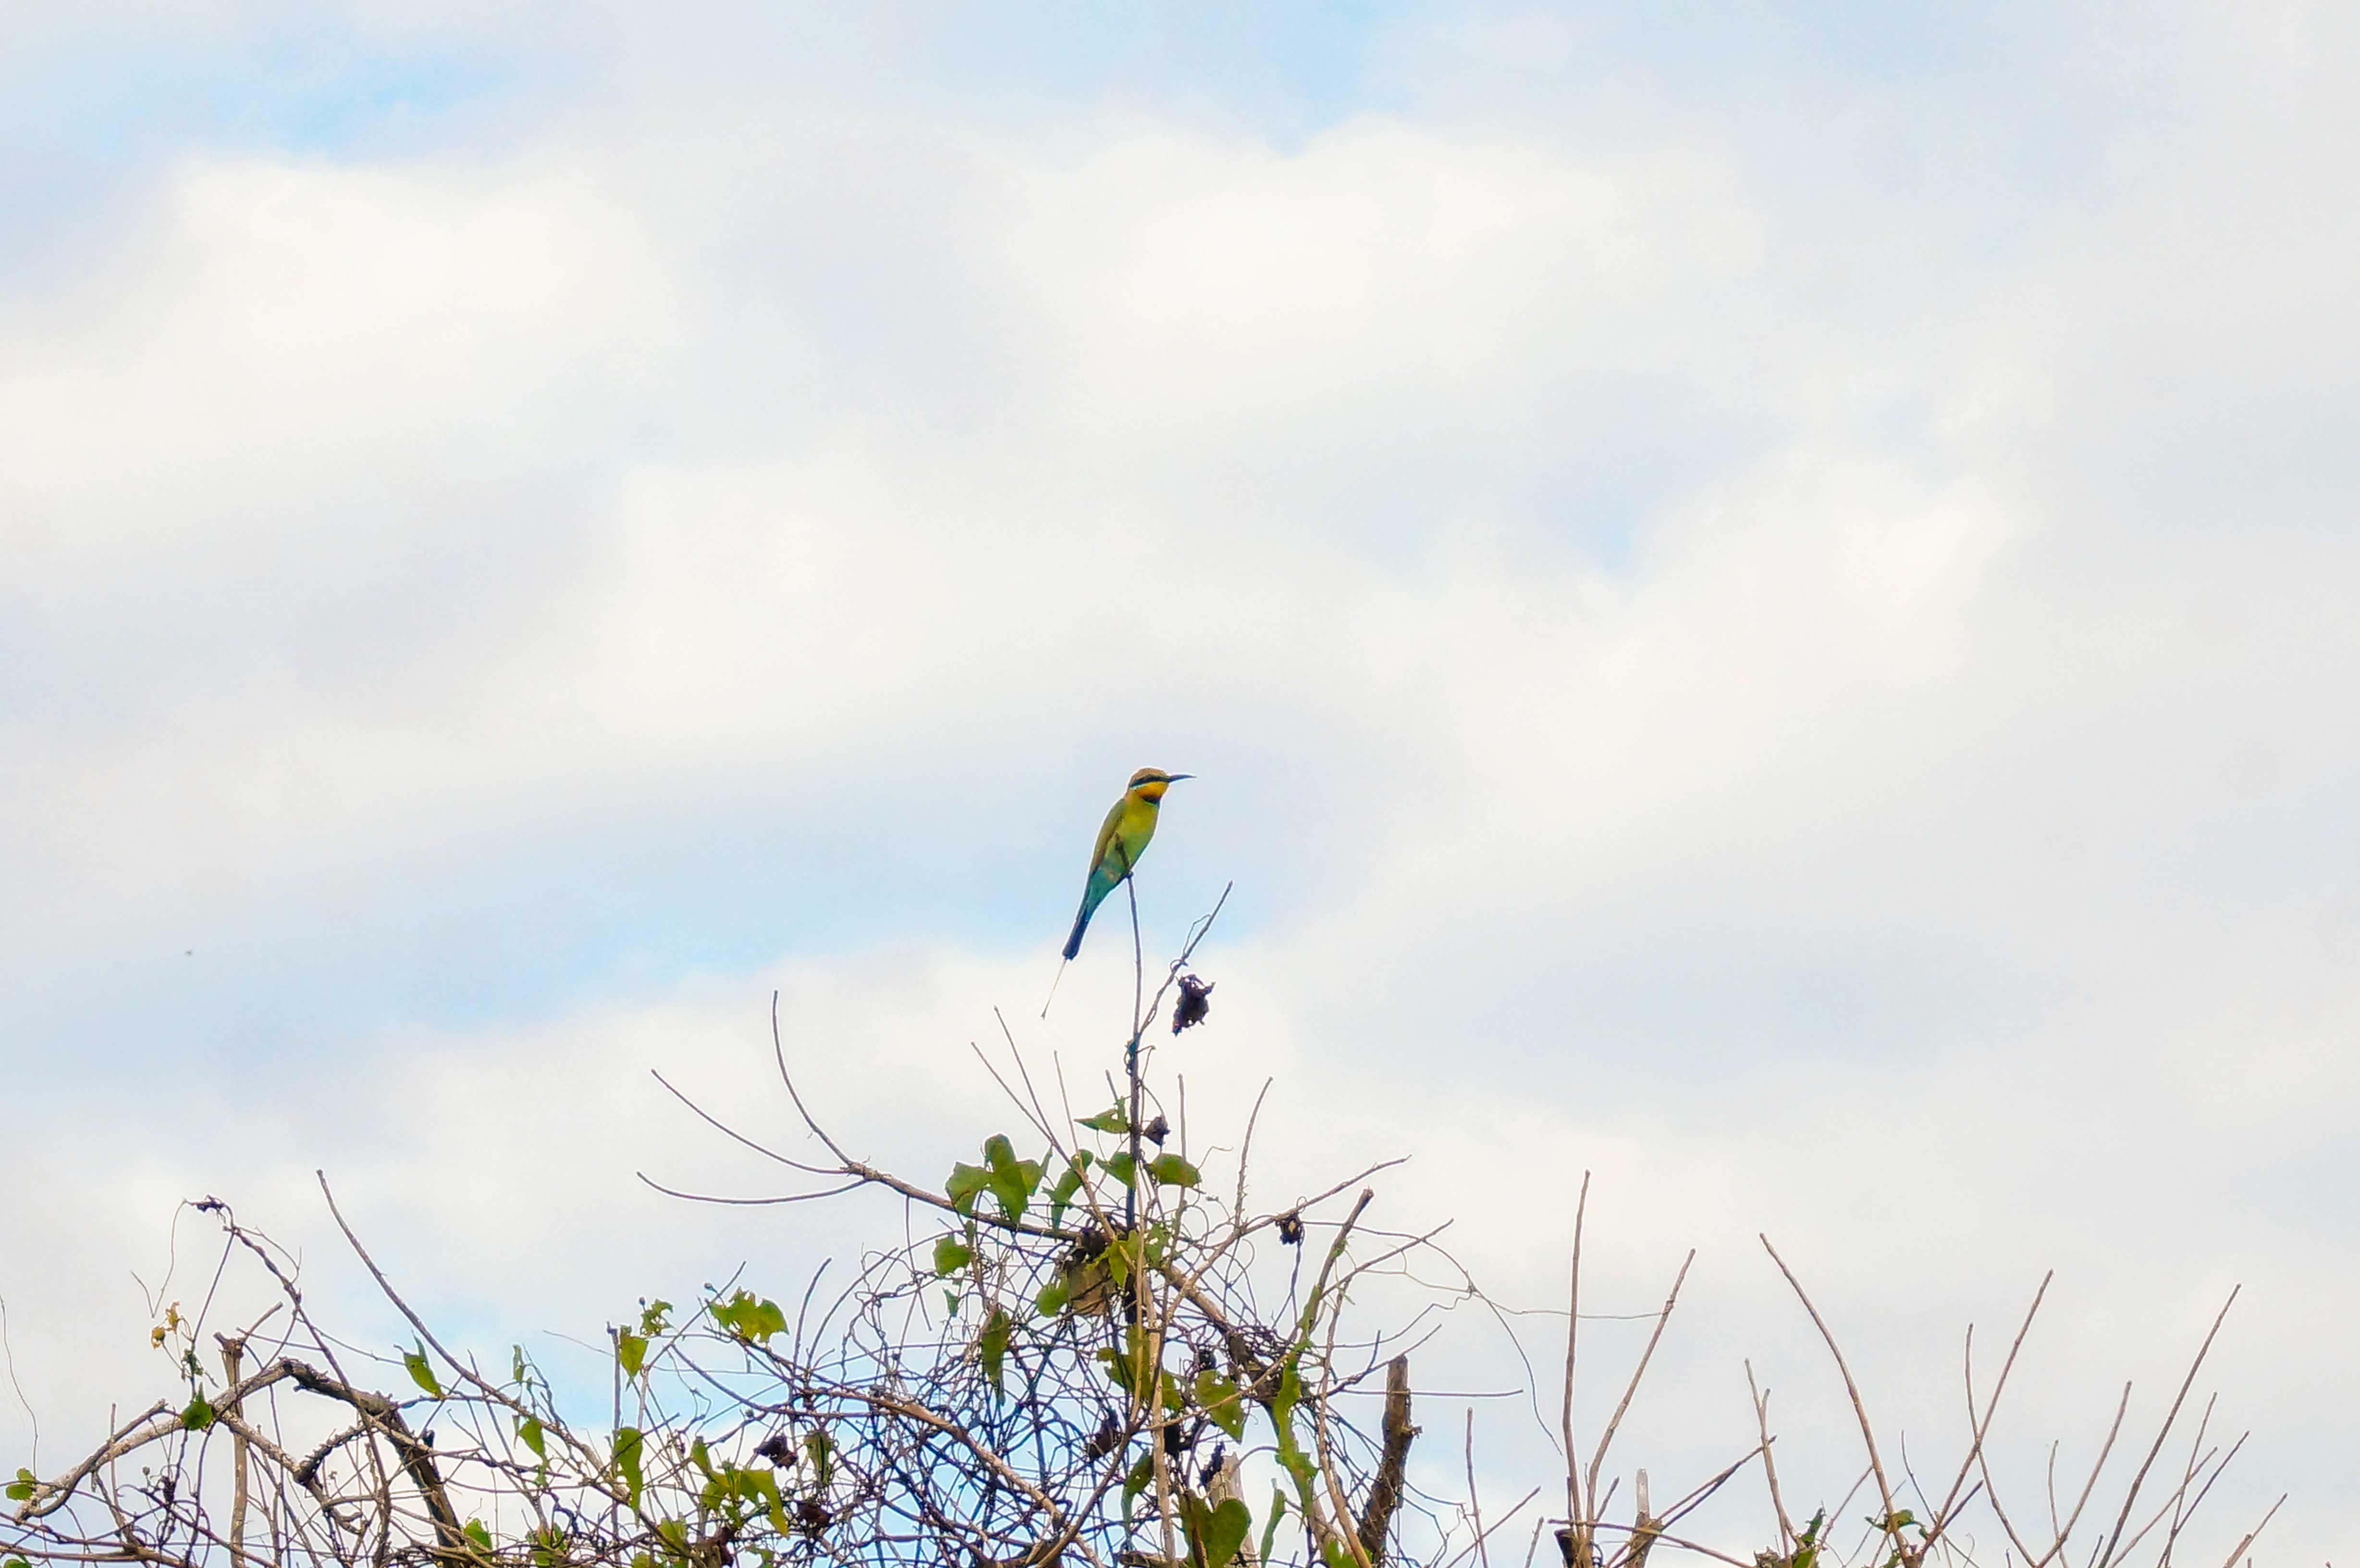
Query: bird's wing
(1108, 830)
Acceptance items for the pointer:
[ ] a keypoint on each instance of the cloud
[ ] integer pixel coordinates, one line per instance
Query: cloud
(1785, 657)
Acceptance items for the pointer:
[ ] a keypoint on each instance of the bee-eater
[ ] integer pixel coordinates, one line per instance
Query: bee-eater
(1122, 839)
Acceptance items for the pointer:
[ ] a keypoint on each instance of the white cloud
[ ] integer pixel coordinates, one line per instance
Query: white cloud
(276, 331)
(1810, 694)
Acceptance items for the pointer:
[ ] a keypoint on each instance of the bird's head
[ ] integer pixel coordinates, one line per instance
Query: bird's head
(1149, 783)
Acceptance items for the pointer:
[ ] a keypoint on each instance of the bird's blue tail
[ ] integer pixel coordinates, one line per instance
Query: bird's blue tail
(1093, 895)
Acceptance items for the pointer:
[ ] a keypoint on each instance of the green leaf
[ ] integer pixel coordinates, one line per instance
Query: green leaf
(967, 1185)
(951, 1255)
(420, 1371)
(1289, 1392)
(529, 1432)
(1122, 1168)
(1806, 1548)
(24, 1485)
(631, 1351)
(1126, 1363)
(652, 1318)
(1226, 1532)
(1173, 1170)
(1012, 1180)
(198, 1415)
(1070, 1185)
(763, 1486)
(1218, 1395)
(1291, 1456)
(1115, 1120)
(749, 1316)
(1054, 1296)
(1139, 1477)
(1214, 1533)
(823, 1456)
(992, 1346)
(627, 1443)
(1270, 1521)
(476, 1532)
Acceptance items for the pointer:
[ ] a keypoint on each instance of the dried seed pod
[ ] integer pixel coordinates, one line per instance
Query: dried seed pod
(1212, 1466)
(1193, 1004)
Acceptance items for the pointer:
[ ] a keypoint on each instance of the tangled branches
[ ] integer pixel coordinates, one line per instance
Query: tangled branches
(1084, 1352)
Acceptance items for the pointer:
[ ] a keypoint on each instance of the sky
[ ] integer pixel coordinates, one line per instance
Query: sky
(1760, 597)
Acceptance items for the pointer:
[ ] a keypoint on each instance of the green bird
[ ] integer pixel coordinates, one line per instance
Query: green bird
(1122, 839)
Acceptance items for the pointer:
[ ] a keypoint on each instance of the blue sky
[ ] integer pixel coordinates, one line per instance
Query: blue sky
(1759, 595)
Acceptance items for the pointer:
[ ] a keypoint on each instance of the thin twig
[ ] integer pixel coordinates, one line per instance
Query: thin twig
(1597, 1458)
(1573, 1509)
(2131, 1497)
(1980, 1426)
(1867, 1434)
(1769, 1464)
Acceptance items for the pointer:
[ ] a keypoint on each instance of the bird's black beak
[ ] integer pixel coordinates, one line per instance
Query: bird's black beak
(1175, 777)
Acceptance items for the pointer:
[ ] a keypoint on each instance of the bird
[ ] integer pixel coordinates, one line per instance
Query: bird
(1122, 839)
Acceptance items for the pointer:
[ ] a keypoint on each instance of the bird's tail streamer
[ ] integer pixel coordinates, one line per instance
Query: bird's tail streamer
(1052, 987)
